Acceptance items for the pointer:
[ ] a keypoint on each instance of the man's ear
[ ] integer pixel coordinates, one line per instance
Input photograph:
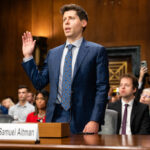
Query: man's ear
(135, 89)
(84, 23)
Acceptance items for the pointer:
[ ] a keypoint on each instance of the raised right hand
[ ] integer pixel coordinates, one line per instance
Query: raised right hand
(27, 44)
(143, 71)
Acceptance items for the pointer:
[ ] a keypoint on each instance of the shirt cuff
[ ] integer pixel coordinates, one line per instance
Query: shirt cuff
(27, 59)
(109, 97)
(140, 85)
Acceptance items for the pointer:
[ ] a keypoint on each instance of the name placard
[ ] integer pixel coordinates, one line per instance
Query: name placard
(19, 131)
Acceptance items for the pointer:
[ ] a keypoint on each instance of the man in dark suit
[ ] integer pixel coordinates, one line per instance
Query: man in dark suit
(88, 89)
(137, 117)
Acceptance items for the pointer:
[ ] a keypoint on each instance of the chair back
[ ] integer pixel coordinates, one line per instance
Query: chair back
(110, 126)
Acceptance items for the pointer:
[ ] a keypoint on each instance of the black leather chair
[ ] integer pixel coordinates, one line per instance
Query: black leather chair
(6, 118)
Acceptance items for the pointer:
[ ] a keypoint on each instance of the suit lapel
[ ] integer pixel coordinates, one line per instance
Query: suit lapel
(119, 107)
(84, 48)
(134, 111)
(119, 110)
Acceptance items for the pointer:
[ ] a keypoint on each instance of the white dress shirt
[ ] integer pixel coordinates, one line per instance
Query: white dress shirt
(75, 51)
(129, 110)
(19, 112)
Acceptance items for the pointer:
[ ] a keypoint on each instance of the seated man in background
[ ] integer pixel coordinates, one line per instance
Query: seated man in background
(31, 97)
(22, 108)
(40, 107)
(133, 116)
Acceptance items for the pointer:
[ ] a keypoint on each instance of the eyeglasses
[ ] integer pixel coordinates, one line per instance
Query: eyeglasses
(144, 95)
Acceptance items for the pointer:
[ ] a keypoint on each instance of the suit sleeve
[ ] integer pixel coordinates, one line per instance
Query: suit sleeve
(39, 78)
(102, 86)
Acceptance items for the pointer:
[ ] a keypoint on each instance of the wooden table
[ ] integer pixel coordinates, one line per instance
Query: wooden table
(89, 142)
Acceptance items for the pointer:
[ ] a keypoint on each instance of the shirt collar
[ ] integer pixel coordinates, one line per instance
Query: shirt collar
(25, 105)
(130, 103)
(77, 43)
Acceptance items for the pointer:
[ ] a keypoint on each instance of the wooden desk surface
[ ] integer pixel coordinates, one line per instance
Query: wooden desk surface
(89, 142)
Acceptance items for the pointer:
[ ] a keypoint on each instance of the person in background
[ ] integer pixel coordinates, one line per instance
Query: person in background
(22, 108)
(141, 81)
(40, 107)
(133, 116)
(113, 94)
(145, 97)
(6, 104)
(31, 97)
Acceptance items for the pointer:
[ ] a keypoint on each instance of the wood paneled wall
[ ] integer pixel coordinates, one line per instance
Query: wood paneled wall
(15, 18)
(111, 23)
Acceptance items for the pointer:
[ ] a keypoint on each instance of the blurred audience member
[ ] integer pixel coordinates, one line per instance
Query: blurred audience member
(22, 108)
(113, 94)
(141, 81)
(143, 72)
(145, 97)
(6, 104)
(40, 107)
(133, 116)
(30, 97)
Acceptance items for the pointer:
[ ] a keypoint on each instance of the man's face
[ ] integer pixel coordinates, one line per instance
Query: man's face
(30, 97)
(22, 94)
(126, 88)
(72, 25)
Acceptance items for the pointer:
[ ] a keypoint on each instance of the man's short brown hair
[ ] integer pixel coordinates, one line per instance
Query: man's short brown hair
(80, 11)
(23, 87)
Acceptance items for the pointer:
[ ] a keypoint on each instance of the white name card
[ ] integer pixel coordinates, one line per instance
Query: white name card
(19, 131)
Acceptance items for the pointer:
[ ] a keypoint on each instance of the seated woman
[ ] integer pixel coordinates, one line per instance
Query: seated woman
(40, 107)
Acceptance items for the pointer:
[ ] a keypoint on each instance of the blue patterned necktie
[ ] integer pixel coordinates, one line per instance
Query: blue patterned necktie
(66, 83)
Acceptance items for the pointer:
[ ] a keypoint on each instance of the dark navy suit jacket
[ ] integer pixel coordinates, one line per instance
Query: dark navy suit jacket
(89, 83)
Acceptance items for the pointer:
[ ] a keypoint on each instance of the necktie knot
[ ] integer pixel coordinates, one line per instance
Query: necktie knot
(70, 46)
(126, 105)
